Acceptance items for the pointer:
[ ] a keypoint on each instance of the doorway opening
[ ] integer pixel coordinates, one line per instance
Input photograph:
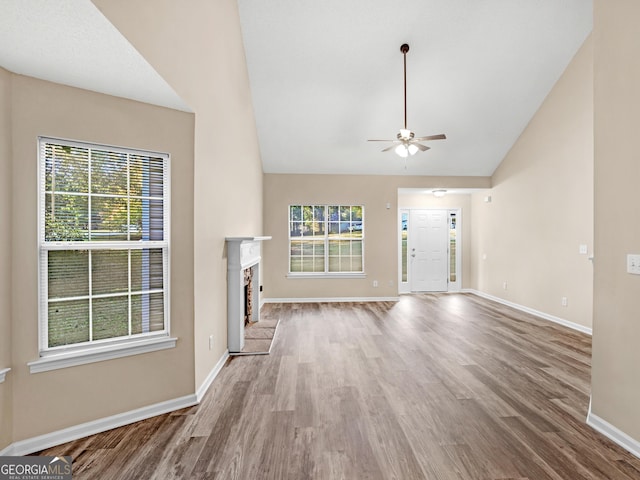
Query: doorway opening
(429, 253)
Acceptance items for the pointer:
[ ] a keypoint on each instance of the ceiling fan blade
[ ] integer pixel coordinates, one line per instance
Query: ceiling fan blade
(388, 148)
(382, 140)
(442, 136)
(423, 148)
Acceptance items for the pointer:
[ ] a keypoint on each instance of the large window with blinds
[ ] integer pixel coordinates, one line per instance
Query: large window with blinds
(326, 239)
(103, 241)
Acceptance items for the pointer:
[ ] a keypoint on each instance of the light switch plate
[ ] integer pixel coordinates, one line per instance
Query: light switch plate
(583, 249)
(633, 264)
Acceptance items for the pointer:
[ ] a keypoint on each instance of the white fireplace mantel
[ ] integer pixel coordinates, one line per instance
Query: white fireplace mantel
(242, 253)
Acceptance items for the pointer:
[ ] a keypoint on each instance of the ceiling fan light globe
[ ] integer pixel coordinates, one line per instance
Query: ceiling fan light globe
(402, 150)
(412, 149)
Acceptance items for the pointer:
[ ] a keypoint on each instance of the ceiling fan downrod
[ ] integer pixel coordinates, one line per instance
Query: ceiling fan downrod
(404, 48)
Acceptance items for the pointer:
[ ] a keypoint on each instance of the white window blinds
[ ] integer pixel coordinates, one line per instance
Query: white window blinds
(104, 230)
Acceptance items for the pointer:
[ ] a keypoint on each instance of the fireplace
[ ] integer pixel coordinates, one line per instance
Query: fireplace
(243, 291)
(248, 295)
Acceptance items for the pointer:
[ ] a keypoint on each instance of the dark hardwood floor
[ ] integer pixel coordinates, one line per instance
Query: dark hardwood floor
(432, 387)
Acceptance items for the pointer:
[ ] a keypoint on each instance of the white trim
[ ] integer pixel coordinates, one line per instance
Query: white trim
(537, 313)
(212, 376)
(3, 373)
(35, 444)
(326, 275)
(331, 299)
(248, 239)
(98, 354)
(613, 433)
(115, 245)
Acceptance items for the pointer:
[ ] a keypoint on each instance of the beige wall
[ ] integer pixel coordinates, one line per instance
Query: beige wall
(542, 206)
(48, 401)
(5, 257)
(616, 325)
(463, 202)
(198, 50)
(381, 224)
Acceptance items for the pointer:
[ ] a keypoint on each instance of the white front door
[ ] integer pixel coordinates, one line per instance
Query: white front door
(428, 250)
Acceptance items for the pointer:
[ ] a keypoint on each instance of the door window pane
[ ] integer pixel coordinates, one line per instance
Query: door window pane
(403, 239)
(453, 232)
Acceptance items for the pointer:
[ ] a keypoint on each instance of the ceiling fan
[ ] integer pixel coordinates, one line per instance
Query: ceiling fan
(407, 143)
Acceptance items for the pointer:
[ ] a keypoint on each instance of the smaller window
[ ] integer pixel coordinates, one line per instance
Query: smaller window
(404, 239)
(326, 239)
(453, 244)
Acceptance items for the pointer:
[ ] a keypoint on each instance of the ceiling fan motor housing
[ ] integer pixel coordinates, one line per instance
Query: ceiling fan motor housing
(405, 134)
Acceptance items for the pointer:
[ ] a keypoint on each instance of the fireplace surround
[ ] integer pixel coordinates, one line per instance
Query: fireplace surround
(242, 253)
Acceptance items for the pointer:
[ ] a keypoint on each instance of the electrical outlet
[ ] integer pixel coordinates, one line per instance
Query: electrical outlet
(504, 285)
(564, 301)
(375, 284)
(210, 342)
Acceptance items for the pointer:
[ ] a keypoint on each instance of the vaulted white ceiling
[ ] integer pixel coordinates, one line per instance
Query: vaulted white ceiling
(327, 75)
(70, 42)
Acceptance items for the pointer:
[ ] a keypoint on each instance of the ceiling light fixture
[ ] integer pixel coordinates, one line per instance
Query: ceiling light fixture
(439, 193)
(404, 150)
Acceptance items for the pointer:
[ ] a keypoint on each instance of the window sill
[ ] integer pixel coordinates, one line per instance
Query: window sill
(3, 373)
(99, 354)
(327, 275)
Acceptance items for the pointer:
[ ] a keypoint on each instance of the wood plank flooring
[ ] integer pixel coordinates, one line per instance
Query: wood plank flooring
(437, 387)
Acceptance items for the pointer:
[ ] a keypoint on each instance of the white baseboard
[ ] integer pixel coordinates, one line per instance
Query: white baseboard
(331, 299)
(35, 444)
(537, 313)
(212, 376)
(612, 433)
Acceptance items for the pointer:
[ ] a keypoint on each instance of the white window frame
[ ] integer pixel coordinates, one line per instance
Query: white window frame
(51, 358)
(326, 273)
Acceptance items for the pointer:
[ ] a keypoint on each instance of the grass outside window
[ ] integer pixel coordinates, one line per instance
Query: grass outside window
(326, 239)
